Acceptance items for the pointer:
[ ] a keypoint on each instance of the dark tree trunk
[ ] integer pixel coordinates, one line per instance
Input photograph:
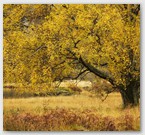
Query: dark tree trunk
(131, 95)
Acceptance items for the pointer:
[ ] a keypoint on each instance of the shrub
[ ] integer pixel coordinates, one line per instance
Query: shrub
(102, 89)
(17, 92)
(60, 91)
(37, 92)
(75, 89)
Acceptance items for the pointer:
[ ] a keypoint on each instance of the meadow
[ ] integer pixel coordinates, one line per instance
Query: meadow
(80, 112)
(46, 46)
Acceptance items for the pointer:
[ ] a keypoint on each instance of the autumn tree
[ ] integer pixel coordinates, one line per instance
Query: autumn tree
(44, 43)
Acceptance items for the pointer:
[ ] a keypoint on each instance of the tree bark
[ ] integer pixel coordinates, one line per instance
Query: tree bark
(131, 95)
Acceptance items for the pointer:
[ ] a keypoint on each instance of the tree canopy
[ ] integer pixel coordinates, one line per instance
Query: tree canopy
(45, 43)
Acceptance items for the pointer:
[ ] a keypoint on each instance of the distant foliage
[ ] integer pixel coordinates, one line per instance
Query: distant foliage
(102, 88)
(61, 91)
(75, 88)
(40, 92)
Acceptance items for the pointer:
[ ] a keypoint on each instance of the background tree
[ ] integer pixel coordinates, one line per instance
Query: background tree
(44, 43)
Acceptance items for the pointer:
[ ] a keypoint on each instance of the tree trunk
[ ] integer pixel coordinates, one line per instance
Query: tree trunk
(131, 95)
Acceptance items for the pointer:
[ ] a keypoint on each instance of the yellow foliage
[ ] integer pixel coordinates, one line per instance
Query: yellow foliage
(42, 42)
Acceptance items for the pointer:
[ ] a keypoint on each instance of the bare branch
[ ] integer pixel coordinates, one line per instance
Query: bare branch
(82, 72)
(37, 49)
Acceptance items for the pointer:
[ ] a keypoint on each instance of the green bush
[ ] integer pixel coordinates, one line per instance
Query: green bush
(60, 91)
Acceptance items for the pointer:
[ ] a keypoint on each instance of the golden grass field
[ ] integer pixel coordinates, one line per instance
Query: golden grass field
(82, 112)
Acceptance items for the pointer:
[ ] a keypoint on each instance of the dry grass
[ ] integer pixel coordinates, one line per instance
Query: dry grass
(83, 109)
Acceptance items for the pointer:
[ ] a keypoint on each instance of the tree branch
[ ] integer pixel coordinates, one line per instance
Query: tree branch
(38, 48)
(80, 74)
(97, 71)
